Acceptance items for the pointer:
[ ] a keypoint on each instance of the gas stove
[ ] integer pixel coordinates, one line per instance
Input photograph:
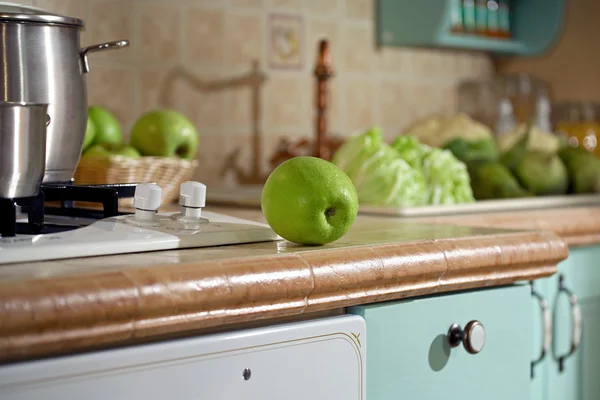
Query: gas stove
(31, 230)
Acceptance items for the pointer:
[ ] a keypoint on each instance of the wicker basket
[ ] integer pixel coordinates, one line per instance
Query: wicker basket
(168, 173)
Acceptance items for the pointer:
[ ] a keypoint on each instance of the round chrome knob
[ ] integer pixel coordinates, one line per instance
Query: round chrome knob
(472, 337)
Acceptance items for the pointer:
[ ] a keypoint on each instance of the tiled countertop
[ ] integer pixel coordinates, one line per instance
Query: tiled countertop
(55, 307)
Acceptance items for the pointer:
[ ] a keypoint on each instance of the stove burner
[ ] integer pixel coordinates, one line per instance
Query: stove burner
(67, 194)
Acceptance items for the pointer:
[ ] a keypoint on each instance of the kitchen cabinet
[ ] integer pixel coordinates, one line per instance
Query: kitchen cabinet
(535, 26)
(578, 379)
(409, 355)
(318, 359)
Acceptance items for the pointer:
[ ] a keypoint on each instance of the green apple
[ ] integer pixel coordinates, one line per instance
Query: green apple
(308, 200)
(90, 134)
(122, 150)
(106, 125)
(165, 133)
(108, 149)
(96, 150)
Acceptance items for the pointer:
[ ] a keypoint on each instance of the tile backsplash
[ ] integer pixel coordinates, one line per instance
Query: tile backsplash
(189, 54)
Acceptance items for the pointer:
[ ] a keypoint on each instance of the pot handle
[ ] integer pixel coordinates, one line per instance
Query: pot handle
(97, 47)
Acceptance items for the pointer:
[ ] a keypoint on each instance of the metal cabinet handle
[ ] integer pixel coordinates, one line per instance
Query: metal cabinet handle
(576, 322)
(97, 47)
(546, 327)
(472, 337)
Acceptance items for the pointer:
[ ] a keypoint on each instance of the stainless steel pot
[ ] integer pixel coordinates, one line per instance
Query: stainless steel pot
(43, 62)
(22, 148)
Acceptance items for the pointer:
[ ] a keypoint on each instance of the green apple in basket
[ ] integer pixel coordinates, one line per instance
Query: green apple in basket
(165, 133)
(108, 149)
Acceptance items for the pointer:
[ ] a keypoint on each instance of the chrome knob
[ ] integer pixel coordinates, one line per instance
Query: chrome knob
(472, 337)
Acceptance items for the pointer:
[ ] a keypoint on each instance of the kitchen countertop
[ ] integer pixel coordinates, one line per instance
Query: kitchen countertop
(56, 307)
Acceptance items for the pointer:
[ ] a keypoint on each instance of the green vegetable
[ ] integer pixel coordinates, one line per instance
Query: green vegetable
(515, 154)
(492, 180)
(380, 175)
(583, 168)
(447, 177)
(466, 150)
(542, 174)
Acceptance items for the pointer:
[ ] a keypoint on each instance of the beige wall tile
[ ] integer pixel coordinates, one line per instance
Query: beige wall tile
(71, 8)
(204, 37)
(211, 156)
(321, 8)
(358, 45)
(359, 105)
(362, 9)
(239, 109)
(112, 20)
(245, 40)
(177, 89)
(112, 88)
(159, 31)
(286, 104)
(394, 61)
(23, 2)
(290, 4)
(323, 29)
(217, 40)
(396, 106)
(247, 3)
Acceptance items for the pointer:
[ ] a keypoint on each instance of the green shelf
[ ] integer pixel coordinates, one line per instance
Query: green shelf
(535, 26)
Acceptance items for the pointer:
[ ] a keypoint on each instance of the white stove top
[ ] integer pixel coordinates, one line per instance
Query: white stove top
(143, 231)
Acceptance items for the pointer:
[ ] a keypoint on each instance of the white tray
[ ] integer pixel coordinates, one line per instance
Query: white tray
(486, 206)
(249, 196)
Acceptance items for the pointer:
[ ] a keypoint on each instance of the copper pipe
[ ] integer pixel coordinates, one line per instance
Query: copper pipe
(323, 72)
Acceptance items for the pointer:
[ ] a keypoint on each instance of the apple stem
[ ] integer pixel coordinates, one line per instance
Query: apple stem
(330, 212)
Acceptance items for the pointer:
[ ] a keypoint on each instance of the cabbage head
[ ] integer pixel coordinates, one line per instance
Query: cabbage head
(380, 175)
(447, 178)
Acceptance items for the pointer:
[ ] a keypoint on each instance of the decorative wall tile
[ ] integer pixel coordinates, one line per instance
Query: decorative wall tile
(159, 31)
(245, 41)
(204, 37)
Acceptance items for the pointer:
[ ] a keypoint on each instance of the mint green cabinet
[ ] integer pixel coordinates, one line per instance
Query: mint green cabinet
(579, 378)
(409, 356)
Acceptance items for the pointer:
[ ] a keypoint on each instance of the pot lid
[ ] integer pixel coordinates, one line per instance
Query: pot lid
(17, 12)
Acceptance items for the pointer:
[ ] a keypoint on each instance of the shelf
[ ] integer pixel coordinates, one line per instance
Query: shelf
(535, 26)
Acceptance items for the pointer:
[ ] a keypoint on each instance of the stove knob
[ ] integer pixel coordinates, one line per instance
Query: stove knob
(147, 200)
(192, 194)
(192, 197)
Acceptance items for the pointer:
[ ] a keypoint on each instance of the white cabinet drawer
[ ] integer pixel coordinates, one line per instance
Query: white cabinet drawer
(320, 359)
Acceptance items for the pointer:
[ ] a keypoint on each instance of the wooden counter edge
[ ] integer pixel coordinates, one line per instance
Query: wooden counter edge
(84, 312)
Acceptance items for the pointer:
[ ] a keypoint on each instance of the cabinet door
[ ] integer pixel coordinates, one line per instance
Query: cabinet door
(541, 328)
(409, 352)
(321, 359)
(579, 378)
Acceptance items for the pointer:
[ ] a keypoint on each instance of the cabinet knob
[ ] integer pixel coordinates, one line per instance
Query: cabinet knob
(472, 337)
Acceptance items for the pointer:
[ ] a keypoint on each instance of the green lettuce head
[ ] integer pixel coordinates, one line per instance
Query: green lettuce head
(380, 175)
(446, 176)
